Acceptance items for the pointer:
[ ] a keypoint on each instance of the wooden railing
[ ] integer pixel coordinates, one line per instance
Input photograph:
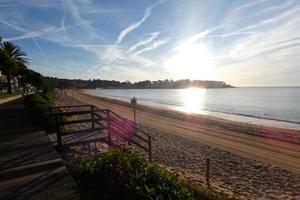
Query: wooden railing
(127, 130)
(119, 130)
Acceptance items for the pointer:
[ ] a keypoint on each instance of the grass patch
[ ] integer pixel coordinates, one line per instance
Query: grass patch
(126, 175)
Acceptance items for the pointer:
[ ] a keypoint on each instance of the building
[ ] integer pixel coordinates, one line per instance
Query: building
(14, 82)
(2, 83)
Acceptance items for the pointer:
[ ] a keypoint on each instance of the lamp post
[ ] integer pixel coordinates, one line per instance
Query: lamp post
(134, 102)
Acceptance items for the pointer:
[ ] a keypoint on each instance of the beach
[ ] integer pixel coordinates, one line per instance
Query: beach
(247, 160)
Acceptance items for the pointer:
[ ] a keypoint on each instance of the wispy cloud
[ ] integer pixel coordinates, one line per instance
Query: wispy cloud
(133, 26)
(193, 39)
(231, 34)
(255, 37)
(75, 13)
(143, 42)
(152, 46)
(136, 24)
(38, 46)
(97, 10)
(11, 25)
(50, 33)
(63, 26)
(267, 55)
(248, 5)
(276, 19)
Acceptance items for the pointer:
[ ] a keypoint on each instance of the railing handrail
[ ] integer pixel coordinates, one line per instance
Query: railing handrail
(74, 106)
(96, 109)
(135, 126)
(112, 112)
(116, 124)
(81, 112)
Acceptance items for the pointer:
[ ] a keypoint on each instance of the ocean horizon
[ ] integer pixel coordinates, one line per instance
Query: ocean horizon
(270, 106)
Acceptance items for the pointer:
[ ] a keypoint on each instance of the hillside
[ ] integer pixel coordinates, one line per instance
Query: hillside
(112, 84)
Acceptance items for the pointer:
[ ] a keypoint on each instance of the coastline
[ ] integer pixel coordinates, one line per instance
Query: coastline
(256, 142)
(282, 134)
(243, 164)
(264, 116)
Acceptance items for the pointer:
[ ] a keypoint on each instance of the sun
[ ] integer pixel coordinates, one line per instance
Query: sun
(191, 60)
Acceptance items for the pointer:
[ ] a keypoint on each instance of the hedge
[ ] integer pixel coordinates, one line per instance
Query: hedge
(38, 105)
(126, 175)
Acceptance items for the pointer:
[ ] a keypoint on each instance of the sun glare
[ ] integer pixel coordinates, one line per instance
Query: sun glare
(192, 61)
(193, 99)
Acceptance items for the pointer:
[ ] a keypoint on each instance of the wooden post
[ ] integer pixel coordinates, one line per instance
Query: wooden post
(108, 128)
(208, 172)
(61, 119)
(92, 116)
(150, 148)
(50, 118)
(134, 114)
(133, 103)
(95, 148)
(58, 131)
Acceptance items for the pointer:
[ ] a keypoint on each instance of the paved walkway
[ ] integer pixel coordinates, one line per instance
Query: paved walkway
(30, 168)
(8, 99)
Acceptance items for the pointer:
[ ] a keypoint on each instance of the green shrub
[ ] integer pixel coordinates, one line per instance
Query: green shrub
(124, 175)
(38, 105)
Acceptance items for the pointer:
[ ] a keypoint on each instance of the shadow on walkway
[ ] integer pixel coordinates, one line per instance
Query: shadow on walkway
(30, 168)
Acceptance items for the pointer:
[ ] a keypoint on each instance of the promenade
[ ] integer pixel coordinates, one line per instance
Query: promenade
(30, 167)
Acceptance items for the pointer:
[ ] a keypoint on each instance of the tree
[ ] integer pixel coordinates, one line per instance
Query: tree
(23, 72)
(34, 78)
(11, 58)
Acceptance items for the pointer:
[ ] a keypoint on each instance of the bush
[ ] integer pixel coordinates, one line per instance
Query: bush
(38, 104)
(124, 175)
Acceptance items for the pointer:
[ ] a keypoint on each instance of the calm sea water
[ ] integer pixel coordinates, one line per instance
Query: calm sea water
(273, 106)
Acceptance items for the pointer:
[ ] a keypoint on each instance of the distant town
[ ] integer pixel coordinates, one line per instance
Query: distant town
(112, 84)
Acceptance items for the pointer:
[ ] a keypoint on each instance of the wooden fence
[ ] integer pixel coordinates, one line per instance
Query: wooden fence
(118, 129)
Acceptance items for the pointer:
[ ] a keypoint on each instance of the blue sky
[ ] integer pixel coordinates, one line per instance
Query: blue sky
(245, 43)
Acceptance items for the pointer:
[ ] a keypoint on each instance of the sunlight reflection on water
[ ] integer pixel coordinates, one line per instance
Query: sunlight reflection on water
(193, 99)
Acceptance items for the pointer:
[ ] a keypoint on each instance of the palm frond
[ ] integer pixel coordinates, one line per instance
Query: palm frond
(14, 52)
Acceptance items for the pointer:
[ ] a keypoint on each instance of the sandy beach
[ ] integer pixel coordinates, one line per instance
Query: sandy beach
(247, 160)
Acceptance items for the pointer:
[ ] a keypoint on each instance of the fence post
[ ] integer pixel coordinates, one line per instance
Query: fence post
(58, 130)
(108, 128)
(134, 114)
(208, 172)
(92, 116)
(150, 148)
(50, 118)
(96, 149)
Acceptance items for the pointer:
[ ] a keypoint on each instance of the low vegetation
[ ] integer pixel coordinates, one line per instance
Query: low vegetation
(38, 105)
(124, 174)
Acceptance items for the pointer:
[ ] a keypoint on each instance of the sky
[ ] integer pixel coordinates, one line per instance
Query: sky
(244, 43)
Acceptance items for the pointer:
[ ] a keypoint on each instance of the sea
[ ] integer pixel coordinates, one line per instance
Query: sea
(271, 106)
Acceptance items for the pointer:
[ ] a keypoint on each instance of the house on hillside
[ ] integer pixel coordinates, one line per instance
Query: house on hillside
(2, 83)
(14, 82)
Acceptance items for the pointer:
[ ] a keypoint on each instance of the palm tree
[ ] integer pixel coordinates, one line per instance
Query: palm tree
(11, 57)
